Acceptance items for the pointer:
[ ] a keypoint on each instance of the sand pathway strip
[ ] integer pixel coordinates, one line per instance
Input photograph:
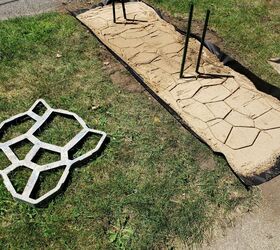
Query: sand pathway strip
(228, 113)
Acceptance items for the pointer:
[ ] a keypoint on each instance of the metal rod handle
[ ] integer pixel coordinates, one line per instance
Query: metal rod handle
(202, 41)
(114, 11)
(124, 11)
(186, 41)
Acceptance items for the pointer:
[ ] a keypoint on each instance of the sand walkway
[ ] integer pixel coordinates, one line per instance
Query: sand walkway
(229, 114)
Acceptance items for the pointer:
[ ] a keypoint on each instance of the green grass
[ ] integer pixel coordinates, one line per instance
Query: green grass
(19, 177)
(5, 162)
(9, 131)
(148, 189)
(45, 156)
(59, 130)
(22, 148)
(249, 28)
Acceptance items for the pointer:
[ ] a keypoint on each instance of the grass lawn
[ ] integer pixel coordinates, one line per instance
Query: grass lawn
(249, 28)
(154, 184)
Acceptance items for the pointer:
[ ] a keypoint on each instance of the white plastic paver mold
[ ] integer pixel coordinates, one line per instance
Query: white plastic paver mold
(66, 160)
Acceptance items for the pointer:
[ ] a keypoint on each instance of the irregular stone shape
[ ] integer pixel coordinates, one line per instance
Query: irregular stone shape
(269, 120)
(125, 43)
(206, 82)
(231, 84)
(240, 98)
(241, 137)
(172, 48)
(271, 102)
(248, 103)
(212, 94)
(144, 58)
(246, 157)
(178, 58)
(256, 108)
(111, 32)
(133, 35)
(219, 109)
(238, 119)
(160, 79)
(161, 39)
(28, 161)
(185, 90)
(208, 106)
(186, 102)
(132, 52)
(166, 66)
(221, 130)
(100, 23)
(197, 109)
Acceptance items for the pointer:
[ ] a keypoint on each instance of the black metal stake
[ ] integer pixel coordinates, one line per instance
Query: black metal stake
(114, 11)
(124, 12)
(202, 41)
(186, 41)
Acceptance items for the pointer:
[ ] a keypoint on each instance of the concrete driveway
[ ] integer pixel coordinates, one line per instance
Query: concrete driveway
(258, 230)
(15, 8)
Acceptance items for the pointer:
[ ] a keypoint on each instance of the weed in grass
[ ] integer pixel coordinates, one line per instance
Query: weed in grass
(120, 234)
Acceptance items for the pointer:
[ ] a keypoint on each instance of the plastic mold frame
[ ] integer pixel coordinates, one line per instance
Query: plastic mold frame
(25, 196)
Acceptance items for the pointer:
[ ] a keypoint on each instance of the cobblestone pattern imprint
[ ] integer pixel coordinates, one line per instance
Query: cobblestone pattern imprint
(38, 145)
(229, 114)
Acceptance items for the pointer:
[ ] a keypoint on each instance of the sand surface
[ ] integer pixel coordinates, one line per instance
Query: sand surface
(228, 113)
